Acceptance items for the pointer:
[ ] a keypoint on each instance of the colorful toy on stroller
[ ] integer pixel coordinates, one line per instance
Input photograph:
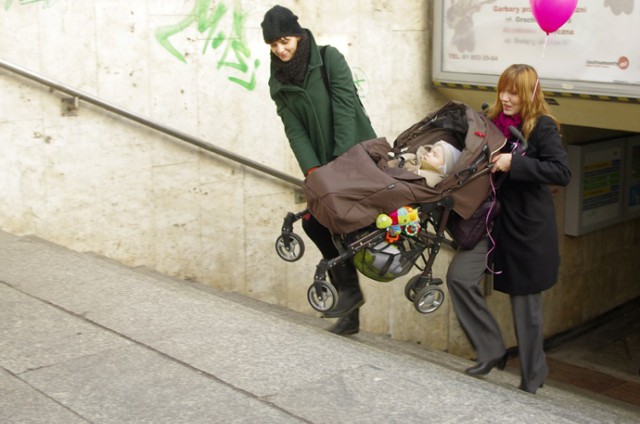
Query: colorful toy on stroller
(385, 217)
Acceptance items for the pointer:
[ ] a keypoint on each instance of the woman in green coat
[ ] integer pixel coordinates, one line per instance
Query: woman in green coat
(314, 93)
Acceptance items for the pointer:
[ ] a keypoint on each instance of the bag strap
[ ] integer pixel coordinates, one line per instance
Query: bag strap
(323, 71)
(325, 78)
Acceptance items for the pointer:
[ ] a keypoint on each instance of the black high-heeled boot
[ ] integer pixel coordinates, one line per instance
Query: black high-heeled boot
(532, 391)
(345, 278)
(485, 367)
(348, 324)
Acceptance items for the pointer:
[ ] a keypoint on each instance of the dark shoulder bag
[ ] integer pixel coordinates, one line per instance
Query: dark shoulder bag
(467, 233)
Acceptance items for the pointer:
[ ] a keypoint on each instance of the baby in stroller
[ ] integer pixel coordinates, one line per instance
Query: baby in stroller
(386, 215)
(431, 161)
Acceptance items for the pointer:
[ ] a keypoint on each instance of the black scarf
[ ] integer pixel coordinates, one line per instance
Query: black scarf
(293, 71)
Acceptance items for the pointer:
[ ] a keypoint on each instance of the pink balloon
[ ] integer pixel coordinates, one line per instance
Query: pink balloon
(552, 14)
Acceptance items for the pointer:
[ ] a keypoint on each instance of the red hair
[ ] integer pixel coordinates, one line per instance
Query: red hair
(522, 80)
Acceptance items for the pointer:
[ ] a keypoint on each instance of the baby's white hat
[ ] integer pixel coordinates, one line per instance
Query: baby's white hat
(451, 156)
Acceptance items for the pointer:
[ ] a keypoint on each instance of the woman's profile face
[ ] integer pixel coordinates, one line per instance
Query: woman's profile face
(285, 48)
(511, 102)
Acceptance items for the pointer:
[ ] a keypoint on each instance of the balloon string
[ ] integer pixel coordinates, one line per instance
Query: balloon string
(533, 96)
(487, 259)
(544, 48)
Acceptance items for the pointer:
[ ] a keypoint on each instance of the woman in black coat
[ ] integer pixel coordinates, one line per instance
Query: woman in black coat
(524, 238)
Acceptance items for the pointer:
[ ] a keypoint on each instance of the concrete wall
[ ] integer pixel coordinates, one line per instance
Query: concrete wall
(98, 182)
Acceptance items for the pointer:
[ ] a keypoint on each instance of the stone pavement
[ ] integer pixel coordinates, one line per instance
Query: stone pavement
(87, 340)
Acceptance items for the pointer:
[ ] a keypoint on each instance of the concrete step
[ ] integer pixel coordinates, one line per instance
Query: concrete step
(85, 339)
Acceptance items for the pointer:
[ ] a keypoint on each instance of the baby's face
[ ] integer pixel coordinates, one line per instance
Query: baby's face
(433, 156)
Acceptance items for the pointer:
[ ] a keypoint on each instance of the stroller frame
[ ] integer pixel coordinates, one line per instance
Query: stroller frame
(422, 289)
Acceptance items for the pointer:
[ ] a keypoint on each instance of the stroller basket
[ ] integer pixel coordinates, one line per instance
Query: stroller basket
(386, 261)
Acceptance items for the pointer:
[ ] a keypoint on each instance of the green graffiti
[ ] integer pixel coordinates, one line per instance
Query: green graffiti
(204, 22)
(45, 3)
(360, 82)
(241, 52)
(208, 21)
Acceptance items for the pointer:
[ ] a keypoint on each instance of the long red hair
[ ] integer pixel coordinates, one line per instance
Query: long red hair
(523, 80)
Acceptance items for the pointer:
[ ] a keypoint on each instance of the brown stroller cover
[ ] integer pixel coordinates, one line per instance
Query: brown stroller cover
(349, 193)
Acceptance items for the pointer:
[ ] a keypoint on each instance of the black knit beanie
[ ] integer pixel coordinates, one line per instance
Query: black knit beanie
(279, 22)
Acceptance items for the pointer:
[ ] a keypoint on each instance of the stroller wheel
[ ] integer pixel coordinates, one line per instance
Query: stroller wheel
(428, 299)
(322, 296)
(292, 250)
(413, 286)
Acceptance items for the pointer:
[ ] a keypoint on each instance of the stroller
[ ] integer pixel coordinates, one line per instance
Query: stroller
(384, 218)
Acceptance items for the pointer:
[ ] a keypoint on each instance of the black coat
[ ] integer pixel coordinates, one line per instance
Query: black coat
(526, 255)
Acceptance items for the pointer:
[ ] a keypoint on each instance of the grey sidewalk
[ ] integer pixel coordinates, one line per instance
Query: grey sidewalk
(83, 339)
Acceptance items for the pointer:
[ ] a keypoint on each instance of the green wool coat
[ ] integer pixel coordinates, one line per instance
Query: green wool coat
(321, 127)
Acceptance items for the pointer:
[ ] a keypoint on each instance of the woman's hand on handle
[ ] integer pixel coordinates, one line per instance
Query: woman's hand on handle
(501, 162)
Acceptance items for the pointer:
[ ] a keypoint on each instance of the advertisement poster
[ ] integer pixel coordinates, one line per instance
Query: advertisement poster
(594, 197)
(632, 203)
(595, 51)
(601, 179)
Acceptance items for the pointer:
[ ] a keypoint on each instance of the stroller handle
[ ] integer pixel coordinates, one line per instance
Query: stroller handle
(517, 134)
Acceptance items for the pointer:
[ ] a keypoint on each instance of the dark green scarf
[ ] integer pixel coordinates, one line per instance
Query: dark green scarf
(293, 71)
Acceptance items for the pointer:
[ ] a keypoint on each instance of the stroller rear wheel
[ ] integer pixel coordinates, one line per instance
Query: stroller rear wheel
(428, 299)
(290, 248)
(322, 296)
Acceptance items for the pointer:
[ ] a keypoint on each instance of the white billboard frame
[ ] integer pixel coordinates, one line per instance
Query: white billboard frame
(564, 74)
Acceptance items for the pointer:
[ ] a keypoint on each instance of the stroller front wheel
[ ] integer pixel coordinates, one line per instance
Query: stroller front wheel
(322, 296)
(428, 299)
(413, 286)
(290, 249)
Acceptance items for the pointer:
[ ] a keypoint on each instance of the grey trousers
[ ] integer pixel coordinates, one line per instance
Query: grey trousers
(465, 273)
(527, 318)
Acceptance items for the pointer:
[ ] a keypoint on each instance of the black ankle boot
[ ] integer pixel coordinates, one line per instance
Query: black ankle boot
(348, 324)
(345, 278)
(533, 391)
(485, 367)
(348, 301)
